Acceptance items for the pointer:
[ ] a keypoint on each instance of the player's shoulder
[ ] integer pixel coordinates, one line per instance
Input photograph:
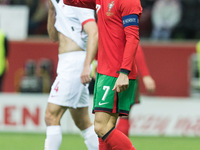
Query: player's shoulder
(130, 3)
(130, 7)
(84, 13)
(81, 9)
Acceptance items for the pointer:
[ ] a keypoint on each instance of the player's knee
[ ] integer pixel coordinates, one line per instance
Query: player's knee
(102, 128)
(99, 129)
(47, 118)
(50, 119)
(78, 123)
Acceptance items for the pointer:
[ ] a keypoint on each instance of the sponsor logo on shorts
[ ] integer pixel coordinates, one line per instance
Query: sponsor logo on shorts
(103, 103)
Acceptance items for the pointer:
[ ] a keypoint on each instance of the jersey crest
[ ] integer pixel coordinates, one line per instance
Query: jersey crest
(110, 6)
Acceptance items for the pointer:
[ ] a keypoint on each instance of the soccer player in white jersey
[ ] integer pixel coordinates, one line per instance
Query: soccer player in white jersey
(77, 33)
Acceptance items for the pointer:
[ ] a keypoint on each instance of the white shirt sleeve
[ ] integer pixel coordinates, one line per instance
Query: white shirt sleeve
(84, 14)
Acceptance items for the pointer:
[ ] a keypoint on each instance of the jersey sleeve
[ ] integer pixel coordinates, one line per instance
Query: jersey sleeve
(131, 11)
(132, 41)
(81, 3)
(84, 15)
(141, 63)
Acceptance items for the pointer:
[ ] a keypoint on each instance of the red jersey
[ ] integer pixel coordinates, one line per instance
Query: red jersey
(118, 34)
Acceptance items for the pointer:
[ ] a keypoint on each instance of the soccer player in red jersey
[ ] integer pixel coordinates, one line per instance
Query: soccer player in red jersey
(149, 83)
(118, 26)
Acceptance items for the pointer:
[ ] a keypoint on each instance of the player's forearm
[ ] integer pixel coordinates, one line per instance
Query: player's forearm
(92, 45)
(92, 30)
(132, 41)
(53, 33)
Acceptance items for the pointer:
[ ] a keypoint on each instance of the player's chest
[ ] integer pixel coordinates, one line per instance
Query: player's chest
(108, 9)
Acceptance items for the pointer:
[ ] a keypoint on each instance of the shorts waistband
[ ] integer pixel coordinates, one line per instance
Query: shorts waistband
(72, 54)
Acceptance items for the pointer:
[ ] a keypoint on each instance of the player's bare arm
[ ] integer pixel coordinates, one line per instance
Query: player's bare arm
(53, 34)
(92, 44)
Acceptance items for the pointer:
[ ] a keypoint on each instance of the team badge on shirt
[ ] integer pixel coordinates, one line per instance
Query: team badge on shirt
(110, 6)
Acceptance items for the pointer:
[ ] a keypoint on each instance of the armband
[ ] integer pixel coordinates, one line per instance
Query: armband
(130, 20)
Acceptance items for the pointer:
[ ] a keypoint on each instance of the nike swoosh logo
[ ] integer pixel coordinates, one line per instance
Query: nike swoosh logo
(103, 103)
(53, 95)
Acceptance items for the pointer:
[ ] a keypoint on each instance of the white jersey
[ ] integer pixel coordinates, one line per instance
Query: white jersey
(70, 21)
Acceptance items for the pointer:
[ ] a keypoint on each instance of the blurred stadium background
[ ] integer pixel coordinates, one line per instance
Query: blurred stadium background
(168, 119)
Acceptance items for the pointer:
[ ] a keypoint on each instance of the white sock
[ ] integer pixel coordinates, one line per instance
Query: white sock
(91, 139)
(53, 137)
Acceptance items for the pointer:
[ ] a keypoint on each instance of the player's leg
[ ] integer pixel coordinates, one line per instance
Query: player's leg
(66, 89)
(82, 120)
(53, 115)
(103, 124)
(78, 100)
(113, 138)
(107, 107)
(54, 112)
(81, 117)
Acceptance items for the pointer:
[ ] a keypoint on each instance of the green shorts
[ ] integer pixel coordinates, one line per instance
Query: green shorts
(107, 100)
(136, 91)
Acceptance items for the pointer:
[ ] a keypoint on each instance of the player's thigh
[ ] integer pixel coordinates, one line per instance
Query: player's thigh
(104, 96)
(81, 117)
(104, 122)
(104, 118)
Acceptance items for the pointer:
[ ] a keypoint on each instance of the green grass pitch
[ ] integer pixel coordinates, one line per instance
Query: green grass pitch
(29, 141)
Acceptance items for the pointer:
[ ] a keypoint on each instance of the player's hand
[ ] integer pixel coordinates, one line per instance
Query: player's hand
(85, 75)
(122, 83)
(149, 84)
(93, 69)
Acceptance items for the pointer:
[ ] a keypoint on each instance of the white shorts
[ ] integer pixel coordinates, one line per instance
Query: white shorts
(67, 89)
